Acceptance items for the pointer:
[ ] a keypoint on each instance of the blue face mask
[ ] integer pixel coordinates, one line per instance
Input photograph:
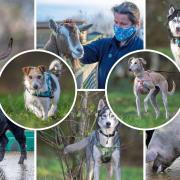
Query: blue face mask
(123, 34)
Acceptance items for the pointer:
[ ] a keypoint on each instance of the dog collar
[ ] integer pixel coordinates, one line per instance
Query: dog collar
(49, 92)
(177, 41)
(107, 135)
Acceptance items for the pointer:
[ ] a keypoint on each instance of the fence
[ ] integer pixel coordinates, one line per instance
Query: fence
(86, 77)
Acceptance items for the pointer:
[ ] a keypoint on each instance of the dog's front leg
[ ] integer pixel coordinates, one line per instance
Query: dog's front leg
(138, 102)
(45, 108)
(97, 160)
(116, 164)
(138, 105)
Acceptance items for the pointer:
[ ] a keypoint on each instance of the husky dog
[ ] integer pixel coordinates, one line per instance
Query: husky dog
(150, 83)
(42, 89)
(102, 146)
(174, 31)
(18, 132)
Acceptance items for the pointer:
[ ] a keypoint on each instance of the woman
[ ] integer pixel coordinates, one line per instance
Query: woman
(107, 51)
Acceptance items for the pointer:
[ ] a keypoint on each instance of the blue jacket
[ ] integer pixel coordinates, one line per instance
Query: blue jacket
(106, 51)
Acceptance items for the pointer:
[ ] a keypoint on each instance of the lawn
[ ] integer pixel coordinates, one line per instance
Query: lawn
(51, 170)
(13, 104)
(122, 101)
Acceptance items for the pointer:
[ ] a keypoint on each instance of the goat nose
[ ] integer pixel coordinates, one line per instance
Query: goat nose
(79, 50)
(129, 69)
(35, 86)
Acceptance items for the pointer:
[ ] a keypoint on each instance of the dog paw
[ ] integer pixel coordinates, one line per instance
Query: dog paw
(50, 114)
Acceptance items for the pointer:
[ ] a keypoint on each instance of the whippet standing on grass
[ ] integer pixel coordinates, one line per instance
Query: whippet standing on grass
(102, 146)
(150, 83)
(174, 32)
(42, 89)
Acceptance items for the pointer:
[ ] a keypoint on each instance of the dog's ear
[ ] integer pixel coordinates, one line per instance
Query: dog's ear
(130, 59)
(143, 61)
(171, 10)
(26, 70)
(101, 104)
(42, 68)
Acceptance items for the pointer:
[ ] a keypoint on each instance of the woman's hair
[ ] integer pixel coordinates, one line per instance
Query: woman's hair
(130, 9)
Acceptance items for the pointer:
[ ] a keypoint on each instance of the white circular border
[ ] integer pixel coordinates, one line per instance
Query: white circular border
(107, 79)
(75, 84)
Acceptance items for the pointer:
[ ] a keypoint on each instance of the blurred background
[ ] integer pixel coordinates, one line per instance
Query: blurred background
(12, 89)
(121, 96)
(157, 36)
(52, 164)
(17, 21)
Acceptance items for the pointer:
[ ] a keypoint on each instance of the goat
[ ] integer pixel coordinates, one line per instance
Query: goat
(65, 41)
(5, 54)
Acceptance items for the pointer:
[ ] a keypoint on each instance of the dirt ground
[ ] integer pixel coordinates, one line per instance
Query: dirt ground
(171, 173)
(11, 170)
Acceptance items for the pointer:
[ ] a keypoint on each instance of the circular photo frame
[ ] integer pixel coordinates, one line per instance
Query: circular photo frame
(143, 89)
(38, 89)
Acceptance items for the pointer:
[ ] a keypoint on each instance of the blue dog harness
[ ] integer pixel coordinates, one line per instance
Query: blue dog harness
(49, 93)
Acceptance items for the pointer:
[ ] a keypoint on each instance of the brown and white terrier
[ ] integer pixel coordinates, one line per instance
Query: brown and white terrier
(42, 89)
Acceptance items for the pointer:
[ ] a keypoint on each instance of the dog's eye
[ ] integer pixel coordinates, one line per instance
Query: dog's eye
(39, 77)
(30, 77)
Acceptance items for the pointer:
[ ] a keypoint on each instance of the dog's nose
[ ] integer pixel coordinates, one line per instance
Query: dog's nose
(108, 124)
(129, 69)
(178, 29)
(35, 86)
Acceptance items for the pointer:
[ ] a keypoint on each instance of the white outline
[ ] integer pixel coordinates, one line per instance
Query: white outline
(137, 51)
(75, 85)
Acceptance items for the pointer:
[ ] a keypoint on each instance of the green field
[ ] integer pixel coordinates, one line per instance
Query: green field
(51, 170)
(122, 101)
(14, 107)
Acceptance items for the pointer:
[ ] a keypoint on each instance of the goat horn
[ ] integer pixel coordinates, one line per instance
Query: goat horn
(85, 27)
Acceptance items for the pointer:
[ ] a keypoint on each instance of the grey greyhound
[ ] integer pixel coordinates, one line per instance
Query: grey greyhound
(150, 83)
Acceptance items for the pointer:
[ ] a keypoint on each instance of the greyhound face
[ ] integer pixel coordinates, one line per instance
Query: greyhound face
(70, 32)
(136, 64)
(174, 21)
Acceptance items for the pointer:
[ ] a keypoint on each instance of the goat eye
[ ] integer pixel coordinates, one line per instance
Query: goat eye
(39, 77)
(30, 77)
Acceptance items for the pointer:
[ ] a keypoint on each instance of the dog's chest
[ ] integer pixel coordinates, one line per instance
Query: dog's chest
(175, 50)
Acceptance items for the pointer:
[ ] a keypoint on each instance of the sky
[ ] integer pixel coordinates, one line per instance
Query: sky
(91, 4)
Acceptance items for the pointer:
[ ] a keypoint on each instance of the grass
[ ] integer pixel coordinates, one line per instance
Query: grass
(13, 104)
(122, 101)
(54, 171)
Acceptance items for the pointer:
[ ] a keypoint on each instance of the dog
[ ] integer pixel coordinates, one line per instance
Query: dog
(174, 32)
(18, 132)
(150, 83)
(42, 89)
(102, 146)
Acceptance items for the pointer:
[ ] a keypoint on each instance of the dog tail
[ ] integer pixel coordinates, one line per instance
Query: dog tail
(56, 67)
(76, 146)
(172, 90)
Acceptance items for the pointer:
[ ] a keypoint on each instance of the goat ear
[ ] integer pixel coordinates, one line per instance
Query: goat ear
(130, 59)
(53, 25)
(101, 104)
(26, 70)
(42, 68)
(143, 61)
(171, 10)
